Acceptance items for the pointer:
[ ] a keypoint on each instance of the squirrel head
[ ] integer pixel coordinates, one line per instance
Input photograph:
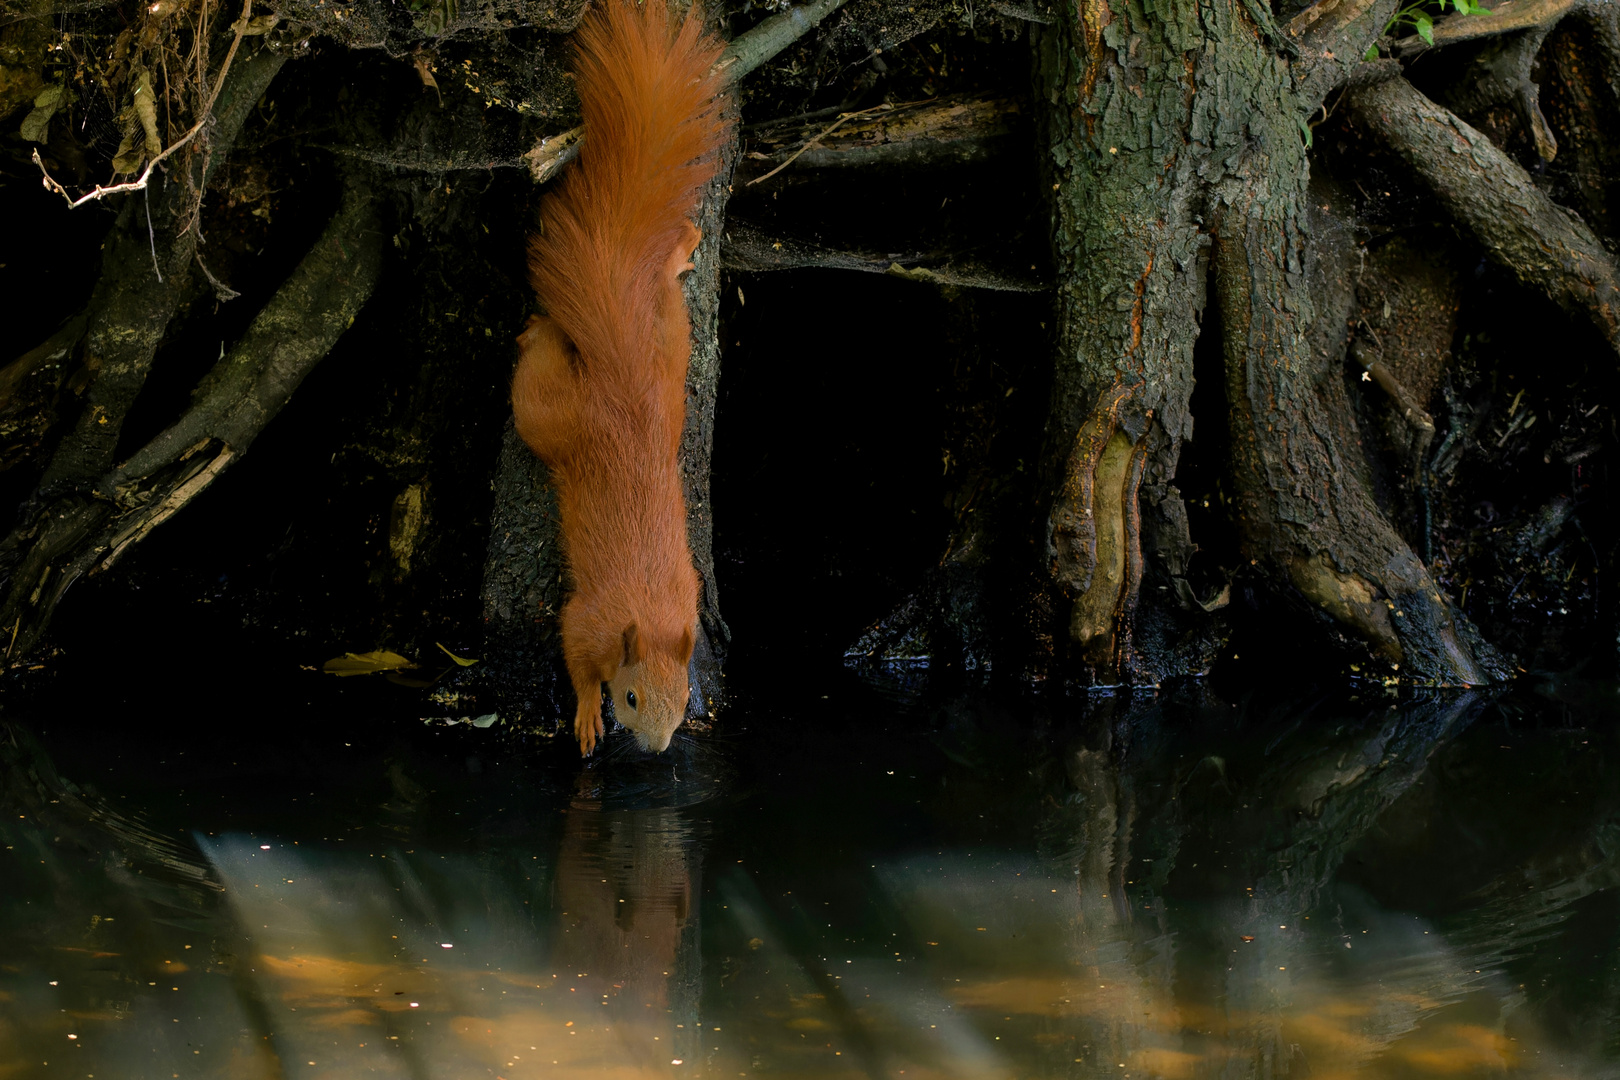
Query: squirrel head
(650, 689)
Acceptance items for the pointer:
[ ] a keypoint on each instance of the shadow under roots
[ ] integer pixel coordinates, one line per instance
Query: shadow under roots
(827, 475)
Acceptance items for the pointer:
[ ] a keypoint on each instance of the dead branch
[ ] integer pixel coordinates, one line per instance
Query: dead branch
(747, 248)
(1410, 409)
(817, 139)
(1547, 247)
(747, 52)
(945, 132)
(770, 37)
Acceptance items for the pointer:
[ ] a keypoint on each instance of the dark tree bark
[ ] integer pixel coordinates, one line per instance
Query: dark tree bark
(1168, 132)
(1185, 131)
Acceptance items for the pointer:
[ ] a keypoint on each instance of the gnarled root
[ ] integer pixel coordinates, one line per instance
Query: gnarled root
(87, 528)
(1304, 501)
(1488, 194)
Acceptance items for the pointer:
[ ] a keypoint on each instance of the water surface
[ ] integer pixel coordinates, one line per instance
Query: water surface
(1165, 886)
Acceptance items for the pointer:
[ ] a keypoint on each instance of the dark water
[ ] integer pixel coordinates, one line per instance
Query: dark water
(1172, 886)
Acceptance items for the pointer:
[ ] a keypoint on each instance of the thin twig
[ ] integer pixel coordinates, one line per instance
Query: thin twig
(151, 237)
(222, 291)
(885, 107)
(140, 182)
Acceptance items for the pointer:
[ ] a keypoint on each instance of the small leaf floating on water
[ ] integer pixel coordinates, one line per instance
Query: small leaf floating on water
(367, 663)
(460, 660)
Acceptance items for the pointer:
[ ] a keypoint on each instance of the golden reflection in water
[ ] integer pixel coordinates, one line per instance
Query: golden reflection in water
(347, 999)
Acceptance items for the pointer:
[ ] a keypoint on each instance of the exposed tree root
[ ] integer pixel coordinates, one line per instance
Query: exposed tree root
(87, 527)
(1508, 17)
(1499, 74)
(1305, 504)
(294, 331)
(1545, 246)
(133, 301)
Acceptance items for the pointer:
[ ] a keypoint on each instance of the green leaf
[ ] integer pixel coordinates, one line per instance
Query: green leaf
(1372, 53)
(367, 663)
(463, 661)
(1306, 128)
(1425, 28)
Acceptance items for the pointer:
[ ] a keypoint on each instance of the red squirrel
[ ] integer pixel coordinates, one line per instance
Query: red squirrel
(600, 389)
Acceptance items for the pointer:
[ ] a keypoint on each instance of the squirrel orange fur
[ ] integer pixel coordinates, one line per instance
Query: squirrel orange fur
(600, 389)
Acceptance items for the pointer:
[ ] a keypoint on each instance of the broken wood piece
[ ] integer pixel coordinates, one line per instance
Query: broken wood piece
(940, 132)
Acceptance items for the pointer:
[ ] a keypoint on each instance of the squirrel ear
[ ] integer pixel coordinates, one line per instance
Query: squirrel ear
(632, 645)
(686, 646)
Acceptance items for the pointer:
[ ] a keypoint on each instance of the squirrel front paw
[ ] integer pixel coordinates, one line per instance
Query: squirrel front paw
(588, 729)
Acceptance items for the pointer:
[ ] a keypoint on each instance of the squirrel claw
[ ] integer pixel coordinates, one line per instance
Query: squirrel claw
(588, 729)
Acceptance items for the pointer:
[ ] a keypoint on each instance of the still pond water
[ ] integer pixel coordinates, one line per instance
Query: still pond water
(1173, 886)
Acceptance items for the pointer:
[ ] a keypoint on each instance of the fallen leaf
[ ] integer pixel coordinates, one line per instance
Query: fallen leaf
(368, 663)
(462, 661)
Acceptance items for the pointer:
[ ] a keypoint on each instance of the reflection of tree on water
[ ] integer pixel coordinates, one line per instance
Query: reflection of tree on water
(1204, 881)
(1175, 888)
(259, 956)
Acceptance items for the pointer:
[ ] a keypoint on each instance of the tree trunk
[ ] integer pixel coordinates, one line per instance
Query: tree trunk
(1177, 142)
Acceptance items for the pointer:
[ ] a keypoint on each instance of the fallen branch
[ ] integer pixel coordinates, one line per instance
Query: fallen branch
(1547, 247)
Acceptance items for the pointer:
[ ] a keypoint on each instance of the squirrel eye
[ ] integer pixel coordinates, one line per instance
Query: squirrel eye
(630, 698)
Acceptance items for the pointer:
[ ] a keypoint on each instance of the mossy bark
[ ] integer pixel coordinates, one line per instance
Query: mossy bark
(1177, 139)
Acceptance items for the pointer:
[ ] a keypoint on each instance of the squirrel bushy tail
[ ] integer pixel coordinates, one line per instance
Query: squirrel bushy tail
(652, 128)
